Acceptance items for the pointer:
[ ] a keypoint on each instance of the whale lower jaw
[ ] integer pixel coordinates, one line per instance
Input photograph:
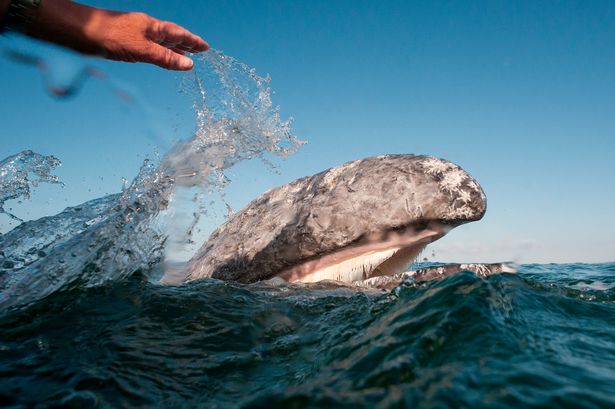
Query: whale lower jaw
(377, 256)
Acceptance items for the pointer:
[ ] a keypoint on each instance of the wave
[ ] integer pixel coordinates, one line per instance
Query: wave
(501, 341)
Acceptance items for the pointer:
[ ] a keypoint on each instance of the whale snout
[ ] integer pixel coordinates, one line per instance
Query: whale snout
(457, 196)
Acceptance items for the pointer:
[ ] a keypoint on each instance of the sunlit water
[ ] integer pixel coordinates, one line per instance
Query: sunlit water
(542, 338)
(85, 323)
(20, 173)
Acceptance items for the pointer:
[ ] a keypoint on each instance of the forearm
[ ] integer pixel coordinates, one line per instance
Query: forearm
(67, 23)
(58, 21)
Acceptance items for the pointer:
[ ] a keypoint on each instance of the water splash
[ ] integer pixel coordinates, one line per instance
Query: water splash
(236, 121)
(20, 173)
(114, 237)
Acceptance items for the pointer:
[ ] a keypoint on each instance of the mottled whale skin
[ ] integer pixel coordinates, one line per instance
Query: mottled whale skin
(363, 219)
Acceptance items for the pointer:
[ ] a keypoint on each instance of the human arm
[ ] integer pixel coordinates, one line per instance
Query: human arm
(131, 37)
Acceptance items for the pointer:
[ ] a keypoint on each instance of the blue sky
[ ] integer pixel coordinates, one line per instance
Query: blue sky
(520, 94)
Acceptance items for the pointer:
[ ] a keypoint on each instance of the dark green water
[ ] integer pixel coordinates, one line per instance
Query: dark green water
(542, 338)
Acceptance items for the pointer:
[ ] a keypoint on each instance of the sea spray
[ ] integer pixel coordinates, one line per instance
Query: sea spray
(236, 120)
(21, 172)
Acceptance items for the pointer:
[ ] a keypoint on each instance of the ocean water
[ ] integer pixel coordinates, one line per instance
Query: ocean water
(85, 322)
(544, 337)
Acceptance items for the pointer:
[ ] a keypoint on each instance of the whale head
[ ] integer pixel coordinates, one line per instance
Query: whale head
(363, 219)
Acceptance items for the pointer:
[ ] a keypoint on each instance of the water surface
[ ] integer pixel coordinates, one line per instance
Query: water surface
(542, 338)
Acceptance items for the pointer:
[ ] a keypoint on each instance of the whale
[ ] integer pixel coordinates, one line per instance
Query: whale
(362, 224)
(353, 223)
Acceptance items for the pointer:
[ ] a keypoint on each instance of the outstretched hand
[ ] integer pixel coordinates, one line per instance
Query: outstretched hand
(137, 37)
(131, 37)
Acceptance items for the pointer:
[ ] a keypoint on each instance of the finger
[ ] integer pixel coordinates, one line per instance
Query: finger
(167, 58)
(177, 47)
(178, 51)
(176, 36)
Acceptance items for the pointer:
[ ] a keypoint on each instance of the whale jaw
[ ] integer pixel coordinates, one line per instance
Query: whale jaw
(375, 256)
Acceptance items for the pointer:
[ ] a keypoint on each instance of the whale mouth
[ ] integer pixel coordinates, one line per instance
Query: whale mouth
(376, 255)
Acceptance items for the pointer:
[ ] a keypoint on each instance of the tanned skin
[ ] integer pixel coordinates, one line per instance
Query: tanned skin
(120, 36)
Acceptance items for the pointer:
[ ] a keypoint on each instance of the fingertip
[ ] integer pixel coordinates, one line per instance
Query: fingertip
(203, 46)
(198, 44)
(185, 63)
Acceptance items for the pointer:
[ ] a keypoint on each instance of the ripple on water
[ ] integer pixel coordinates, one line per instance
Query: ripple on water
(505, 341)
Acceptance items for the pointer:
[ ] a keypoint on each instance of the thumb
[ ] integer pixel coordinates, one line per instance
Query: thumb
(167, 58)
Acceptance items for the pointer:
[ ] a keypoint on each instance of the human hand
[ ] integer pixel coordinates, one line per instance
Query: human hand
(131, 37)
(137, 37)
